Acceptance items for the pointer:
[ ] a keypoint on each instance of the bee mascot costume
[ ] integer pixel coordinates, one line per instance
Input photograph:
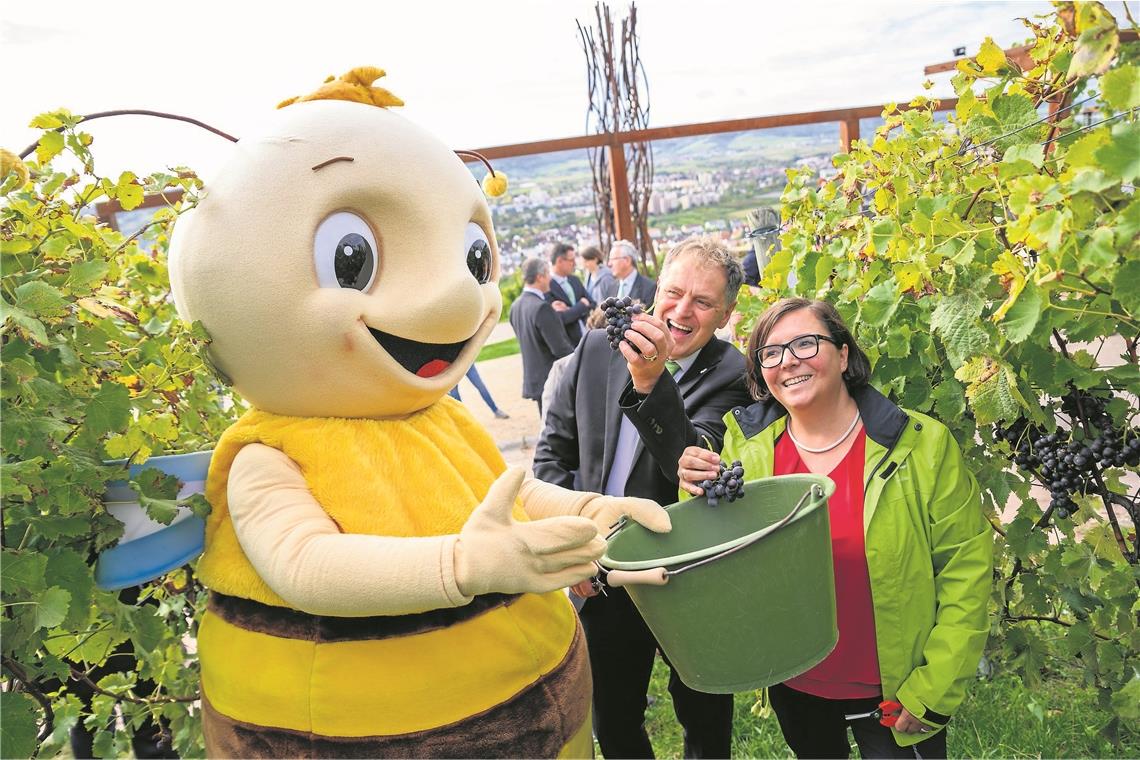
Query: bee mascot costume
(381, 583)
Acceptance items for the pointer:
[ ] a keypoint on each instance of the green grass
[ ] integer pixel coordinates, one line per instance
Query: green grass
(498, 350)
(1001, 718)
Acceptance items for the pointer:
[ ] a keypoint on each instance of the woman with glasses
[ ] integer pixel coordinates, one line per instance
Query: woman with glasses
(912, 549)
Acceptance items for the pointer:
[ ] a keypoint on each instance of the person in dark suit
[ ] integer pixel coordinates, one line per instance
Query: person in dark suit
(542, 339)
(627, 281)
(619, 422)
(567, 295)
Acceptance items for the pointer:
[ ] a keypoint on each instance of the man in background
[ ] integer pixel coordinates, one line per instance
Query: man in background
(627, 281)
(620, 422)
(542, 338)
(567, 296)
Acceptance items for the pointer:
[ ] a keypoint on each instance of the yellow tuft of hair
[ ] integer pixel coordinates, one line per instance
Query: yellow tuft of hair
(10, 162)
(495, 184)
(354, 86)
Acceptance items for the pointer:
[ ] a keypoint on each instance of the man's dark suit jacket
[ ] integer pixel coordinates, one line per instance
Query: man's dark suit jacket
(577, 310)
(585, 415)
(541, 340)
(644, 289)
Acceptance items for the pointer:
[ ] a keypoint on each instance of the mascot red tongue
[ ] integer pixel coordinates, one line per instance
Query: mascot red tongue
(380, 583)
(433, 368)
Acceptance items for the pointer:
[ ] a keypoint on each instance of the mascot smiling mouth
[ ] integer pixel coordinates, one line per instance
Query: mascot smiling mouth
(421, 359)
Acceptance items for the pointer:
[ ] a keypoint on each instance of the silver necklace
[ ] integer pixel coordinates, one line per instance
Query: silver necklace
(810, 450)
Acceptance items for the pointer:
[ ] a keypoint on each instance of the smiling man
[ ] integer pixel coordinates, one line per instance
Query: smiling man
(618, 424)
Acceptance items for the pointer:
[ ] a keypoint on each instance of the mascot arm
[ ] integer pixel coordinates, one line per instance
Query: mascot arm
(302, 555)
(542, 500)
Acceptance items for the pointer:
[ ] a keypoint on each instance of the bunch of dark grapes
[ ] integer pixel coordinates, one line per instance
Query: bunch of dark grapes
(729, 484)
(619, 317)
(1068, 465)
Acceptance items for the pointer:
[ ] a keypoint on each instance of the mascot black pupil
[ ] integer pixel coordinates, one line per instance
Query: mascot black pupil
(478, 260)
(353, 262)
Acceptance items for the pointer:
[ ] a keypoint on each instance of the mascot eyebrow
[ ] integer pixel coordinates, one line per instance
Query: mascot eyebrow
(323, 164)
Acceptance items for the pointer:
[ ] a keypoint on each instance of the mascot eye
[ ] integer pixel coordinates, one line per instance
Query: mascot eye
(345, 252)
(478, 252)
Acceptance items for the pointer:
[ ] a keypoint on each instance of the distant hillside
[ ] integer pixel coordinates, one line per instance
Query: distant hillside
(782, 145)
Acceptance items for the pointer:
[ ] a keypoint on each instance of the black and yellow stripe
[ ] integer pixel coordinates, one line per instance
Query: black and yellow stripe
(409, 686)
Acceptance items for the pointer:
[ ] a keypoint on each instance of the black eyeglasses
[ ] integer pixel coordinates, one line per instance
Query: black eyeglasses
(803, 347)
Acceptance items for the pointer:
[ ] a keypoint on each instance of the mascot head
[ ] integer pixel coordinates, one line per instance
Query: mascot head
(343, 262)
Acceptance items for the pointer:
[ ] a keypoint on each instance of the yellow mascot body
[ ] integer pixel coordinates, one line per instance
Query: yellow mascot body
(381, 583)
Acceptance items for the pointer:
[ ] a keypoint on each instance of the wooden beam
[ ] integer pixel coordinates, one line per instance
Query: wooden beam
(1019, 55)
(107, 209)
(693, 130)
(848, 131)
(619, 192)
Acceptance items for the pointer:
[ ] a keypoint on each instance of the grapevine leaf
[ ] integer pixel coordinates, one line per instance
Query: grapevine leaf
(1049, 228)
(1122, 155)
(155, 483)
(955, 320)
(40, 299)
(109, 409)
(128, 192)
(1083, 151)
(1125, 289)
(46, 121)
(149, 628)
(990, 57)
(1098, 251)
(68, 570)
(949, 399)
(1121, 88)
(1096, 47)
(23, 571)
(1033, 153)
(51, 607)
(1022, 317)
(18, 729)
(990, 388)
(1015, 112)
(1126, 702)
(49, 146)
(880, 303)
(88, 272)
(160, 510)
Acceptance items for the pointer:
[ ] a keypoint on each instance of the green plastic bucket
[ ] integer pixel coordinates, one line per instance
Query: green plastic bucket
(739, 596)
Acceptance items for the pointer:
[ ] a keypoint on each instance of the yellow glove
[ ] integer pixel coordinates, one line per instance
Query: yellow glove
(495, 553)
(607, 511)
(546, 500)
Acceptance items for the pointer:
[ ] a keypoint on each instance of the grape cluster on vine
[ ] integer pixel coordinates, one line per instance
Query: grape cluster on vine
(1066, 463)
(619, 317)
(729, 484)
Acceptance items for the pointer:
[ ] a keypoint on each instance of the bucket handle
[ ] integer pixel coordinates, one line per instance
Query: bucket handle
(659, 576)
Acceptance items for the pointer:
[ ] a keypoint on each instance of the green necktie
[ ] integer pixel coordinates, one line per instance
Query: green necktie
(569, 291)
(672, 366)
(621, 289)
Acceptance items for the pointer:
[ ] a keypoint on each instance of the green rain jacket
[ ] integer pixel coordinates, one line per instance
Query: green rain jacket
(929, 548)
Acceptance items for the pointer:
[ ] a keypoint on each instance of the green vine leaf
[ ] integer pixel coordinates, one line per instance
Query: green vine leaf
(1022, 317)
(1121, 88)
(19, 727)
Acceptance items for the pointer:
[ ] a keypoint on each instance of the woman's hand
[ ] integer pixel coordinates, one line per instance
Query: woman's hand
(584, 589)
(697, 465)
(908, 724)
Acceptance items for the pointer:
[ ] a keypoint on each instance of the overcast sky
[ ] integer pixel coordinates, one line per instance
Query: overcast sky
(477, 74)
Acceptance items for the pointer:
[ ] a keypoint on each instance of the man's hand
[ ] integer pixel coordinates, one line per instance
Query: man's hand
(607, 511)
(652, 345)
(559, 305)
(495, 553)
(695, 466)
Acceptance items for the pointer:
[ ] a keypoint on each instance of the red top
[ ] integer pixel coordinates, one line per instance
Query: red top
(851, 671)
